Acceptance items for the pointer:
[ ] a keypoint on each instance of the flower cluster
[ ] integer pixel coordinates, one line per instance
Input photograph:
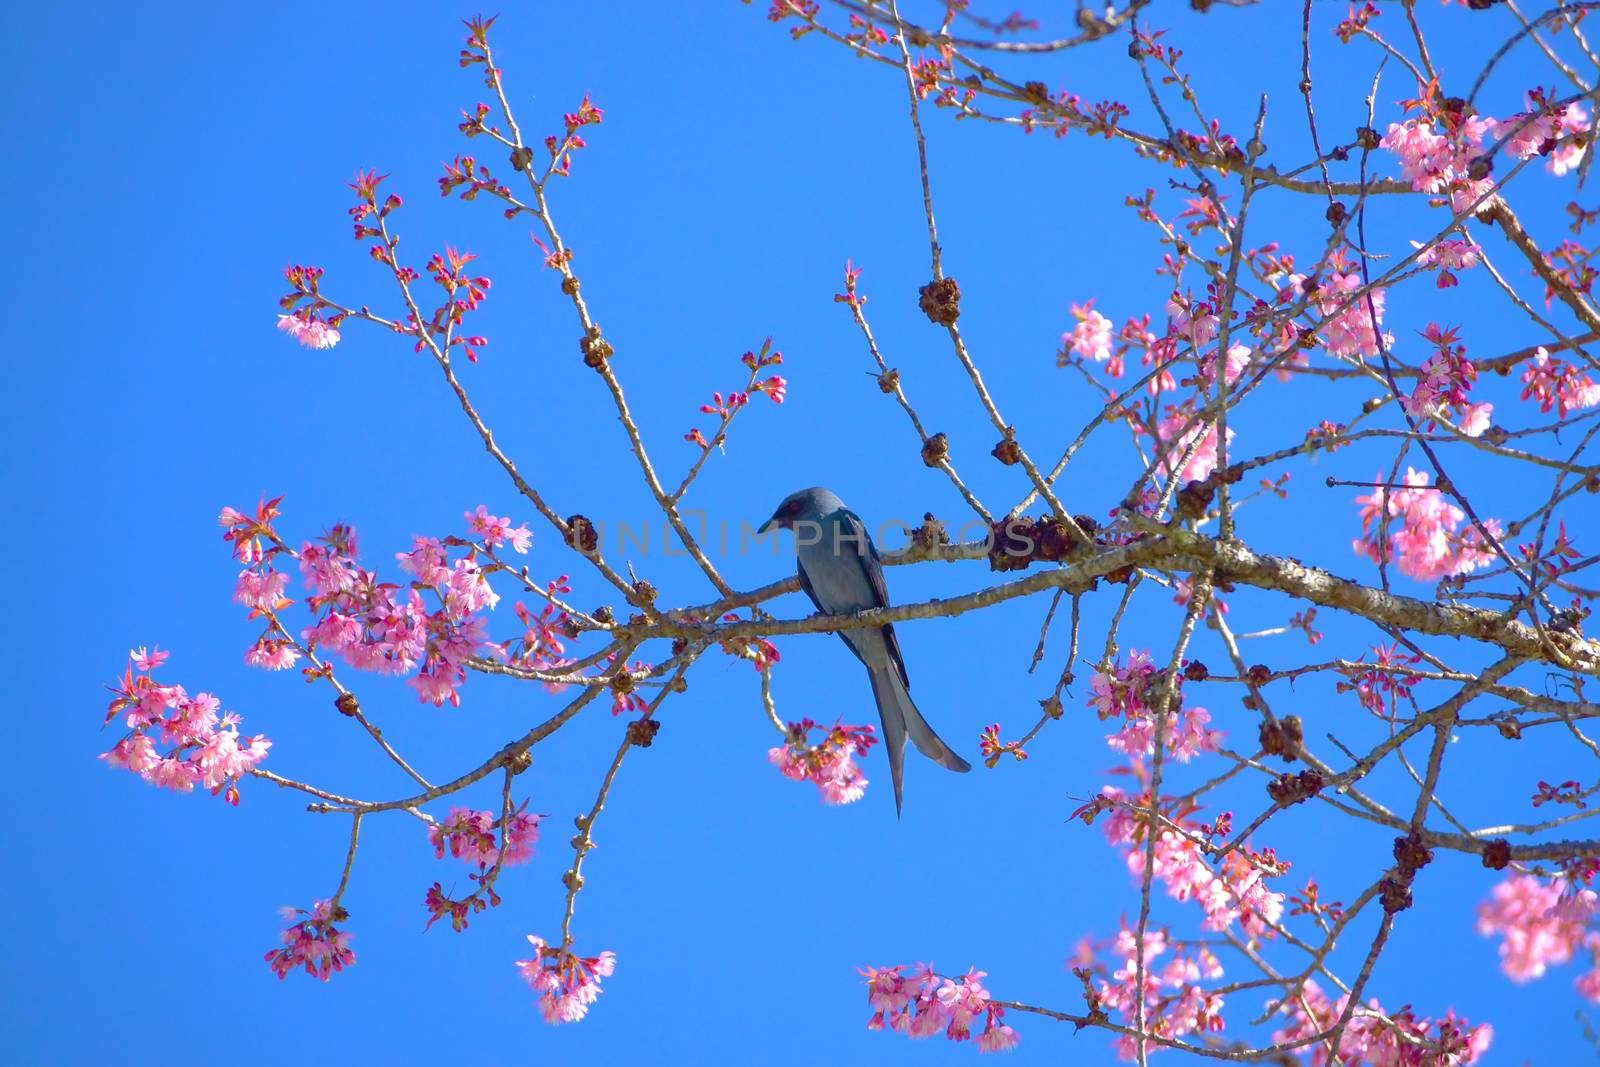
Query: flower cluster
(1183, 426)
(1125, 690)
(375, 625)
(991, 748)
(1547, 131)
(1437, 150)
(1386, 682)
(542, 646)
(313, 941)
(1091, 337)
(1429, 543)
(567, 984)
(1451, 254)
(309, 330)
(561, 148)
(1179, 431)
(1402, 1038)
(830, 763)
(776, 388)
(1557, 384)
(1447, 377)
(1174, 1004)
(206, 749)
(462, 294)
(494, 532)
(1237, 893)
(924, 1003)
(1543, 923)
(1350, 330)
(473, 837)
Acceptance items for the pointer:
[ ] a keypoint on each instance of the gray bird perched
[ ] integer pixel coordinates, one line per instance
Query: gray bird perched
(840, 572)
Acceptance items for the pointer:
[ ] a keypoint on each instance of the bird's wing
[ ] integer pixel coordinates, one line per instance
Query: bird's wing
(805, 583)
(872, 567)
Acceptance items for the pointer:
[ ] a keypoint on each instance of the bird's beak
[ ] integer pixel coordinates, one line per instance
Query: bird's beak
(768, 526)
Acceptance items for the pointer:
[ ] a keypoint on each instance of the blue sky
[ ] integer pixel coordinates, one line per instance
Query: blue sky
(168, 162)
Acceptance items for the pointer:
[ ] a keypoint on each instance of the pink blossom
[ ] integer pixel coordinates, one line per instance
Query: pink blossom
(566, 983)
(1238, 361)
(469, 589)
(1556, 384)
(474, 836)
(1536, 931)
(830, 763)
(1529, 131)
(205, 749)
(1196, 322)
(427, 561)
(330, 567)
(1121, 690)
(260, 589)
(1475, 419)
(1569, 151)
(313, 942)
(1446, 380)
(1237, 893)
(1173, 1003)
(136, 753)
(775, 387)
(1091, 337)
(925, 1003)
(1428, 541)
(222, 757)
(147, 661)
(309, 331)
(177, 775)
(1436, 160)
(1187, 735)
(438, 682)
(1352, 332)
(272, 654)
(1376, 1039)
(1451, 254)
(496, 531)
(1178, 440)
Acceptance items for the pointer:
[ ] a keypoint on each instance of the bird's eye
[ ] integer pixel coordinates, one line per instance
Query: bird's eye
(792, 508)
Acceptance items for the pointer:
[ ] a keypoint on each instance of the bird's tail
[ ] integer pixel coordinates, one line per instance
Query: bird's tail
(901, 719)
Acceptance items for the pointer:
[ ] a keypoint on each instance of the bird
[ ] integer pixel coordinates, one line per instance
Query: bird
(841, 573)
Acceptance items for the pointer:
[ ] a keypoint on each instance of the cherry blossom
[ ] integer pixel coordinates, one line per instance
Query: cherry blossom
(1091, 337)
(473, 837)
(309, 331)
(566, 983)
(1124, 691)
(1437, 150)
(496, 531)
(1557, 384)
(1542, 923)
(830, 763)
(1237, 894)
(1351, 332)
(1401, 1038)
(206, 749)
(1425, 539)
(1446, 380)
(311, 940)
(1569, 152)
(1179, 440)
(924, 1003)
(1174, 1003)
(1451, 254)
